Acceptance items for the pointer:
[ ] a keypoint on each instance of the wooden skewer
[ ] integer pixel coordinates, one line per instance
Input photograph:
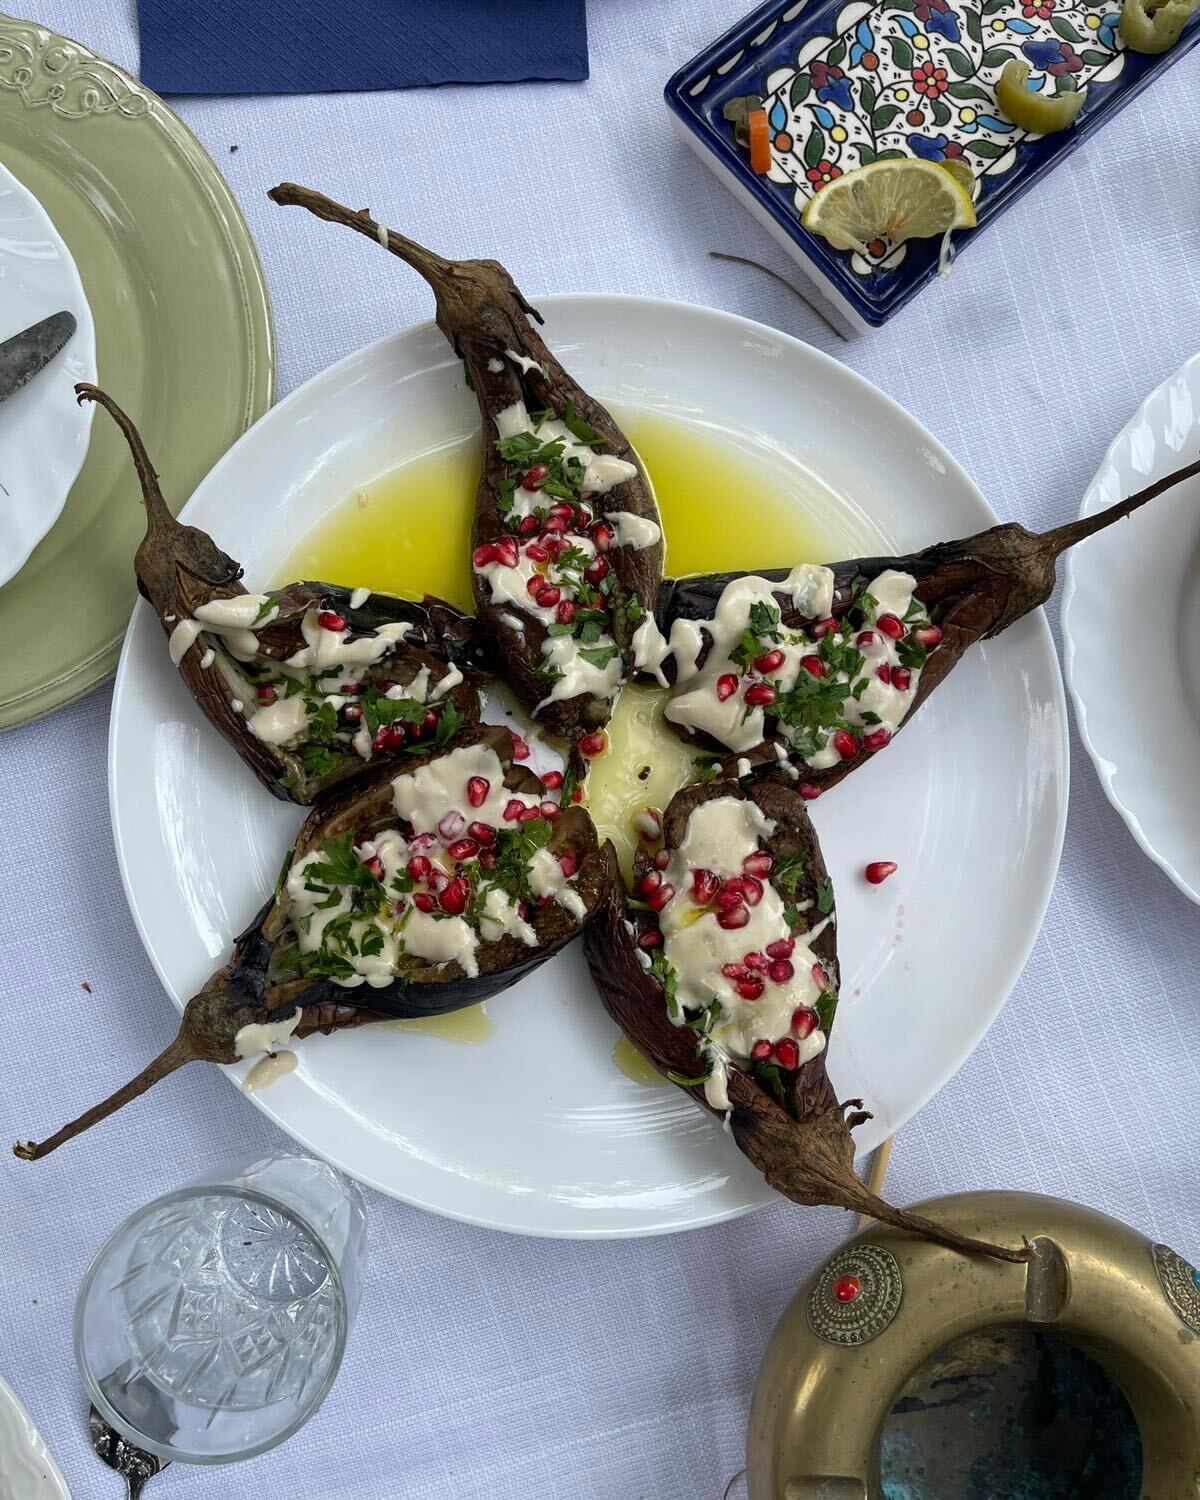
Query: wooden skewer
(879, 1166)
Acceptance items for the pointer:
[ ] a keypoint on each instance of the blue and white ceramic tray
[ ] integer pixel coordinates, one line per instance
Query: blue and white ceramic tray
(847, 84)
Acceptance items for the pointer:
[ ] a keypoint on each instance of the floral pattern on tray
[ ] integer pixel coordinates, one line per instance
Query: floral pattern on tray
(918, 78)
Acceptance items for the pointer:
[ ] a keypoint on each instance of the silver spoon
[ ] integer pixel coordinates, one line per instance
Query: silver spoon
(134, 1464)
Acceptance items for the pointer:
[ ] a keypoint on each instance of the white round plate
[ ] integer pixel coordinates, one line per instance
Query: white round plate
(27, 1472)
(1139, 711)
(43, 429)
(536, 1130)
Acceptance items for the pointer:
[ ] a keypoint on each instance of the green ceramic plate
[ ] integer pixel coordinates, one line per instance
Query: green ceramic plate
(184, 339)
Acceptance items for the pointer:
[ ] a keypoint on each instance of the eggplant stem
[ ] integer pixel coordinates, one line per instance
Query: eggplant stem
(180, 1051)
(871, 1206)
(152, 496)
(1062, 537)
(292, 195)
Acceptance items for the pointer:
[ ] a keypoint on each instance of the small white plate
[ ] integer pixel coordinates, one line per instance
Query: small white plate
(1139, 710)
(43, 429)
(27, 1472)
(536, 1130)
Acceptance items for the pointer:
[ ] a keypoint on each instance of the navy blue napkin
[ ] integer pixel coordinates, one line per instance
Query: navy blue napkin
(323, 46)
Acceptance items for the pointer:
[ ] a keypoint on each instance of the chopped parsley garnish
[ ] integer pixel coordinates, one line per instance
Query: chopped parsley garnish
(825, 1007)
(320, 760)
(664, 972)
(264, 609)
(598, 656)
(582, 431)
(378, 709)
(707, 769)
(911, 653)
(450, 721)
(788, 873)
(824, 896)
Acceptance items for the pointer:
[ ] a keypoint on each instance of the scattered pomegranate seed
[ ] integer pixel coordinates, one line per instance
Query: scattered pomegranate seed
(760, 863)
(928, 635)
(528, 814)
(750, 989)
(820, 977)
(759, 695)
(726, 686)
(770, 661)
(649, 939)
(561, 508)
(752, 890)
(549, 596)
(730, 894)
(569, 863)
(513, 810)
(423, 901)
(591, 745)
(396, 736)
(267, 693)
(478, 788)
(877, 739)
(813, 665)
(656, 900)
(428, 723)
(781, 948)
(883, 672)
(577, 795)
(536, 552)
(552, 780)
(891, 625)
(487, 857)
(455, 897)
(845, 744)
(351, 689)
(565, 612)
(866, 640)
(781, 971)
(662, 859)
(787, 1054)
(650, 881)
(327, 620)
(705, 885)
(597, 570)
(380, 743)
(757, 961)
(482, 833)
(462, 849)
(520, 746)
(438, 881)
(648, 822)
(535, 585)
(846, 1288)
(901, 679)
(735, 971)
(419, 868)
(399, 905)
(804, 1021)
(733, 918)
(375, 865)
(451, 824)
(422, 841)
(819, 629)
(529, 525)
(534, 476)
(555, 523)
(602, 535)
(549, 810)
(351, 713)
(807, 792)
(506, 551)
(879, 871)
(760, 1051)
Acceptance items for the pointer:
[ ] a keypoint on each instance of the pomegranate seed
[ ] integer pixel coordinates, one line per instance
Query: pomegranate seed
(535, 585)
(877, 739)
(650, 881)
(759, 695)
(552, 780)
(327, 620)
(804, 1021)
(813, 665)
(752, 890)
(597, 570)
(528, 814)
(781, 971)
(602, 535)
(561, 508)
(423, 901)
(891, 625)
(537, 552)
(565, 612)
(735, 971)
(662, 859)
(482, 833)
(380, 743)
(549, 596)
(756, 961)
(513, 810)
(787, 1054)
(487, 858)
(554, 523)
(730, 894)
(928, 635)
(506, 551)
(455, 897)
(760, 1051)
(351, 689)
(422, 841)
(396, 736)
(419, 868)
(577, 795)
(770, 661)
(583, 518)
(451, 824)
(879, 871)
(462, 849)
(375, 865)
(267, 693)
(569, 863)
(520, 745)
(648, 823)
(883, 672)
(705, 886)
(845, 744)
(846, 1288)
(901, 679)
(438, 881)
(820, 977)
(866, 640)
(549, 810)
(534, 476)
(750, 989)
(821, 628)
(649, 939)
(399, 906)
(733, 918)
(591, 745)
(529, 525)
(351, 713)
(781, 948)
(428, 723)
(760, 863)
(727, 685)
(807, 792)
(478, 788)
(656, 900)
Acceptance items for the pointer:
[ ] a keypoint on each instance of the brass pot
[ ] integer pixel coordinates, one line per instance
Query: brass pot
(875, 1313)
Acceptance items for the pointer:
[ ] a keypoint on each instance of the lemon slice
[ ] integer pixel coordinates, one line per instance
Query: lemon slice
(961, 173)
(1039, 113)
(895, 200)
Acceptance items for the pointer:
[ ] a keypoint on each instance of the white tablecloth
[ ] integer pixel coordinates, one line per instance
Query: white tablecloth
(490, 1366)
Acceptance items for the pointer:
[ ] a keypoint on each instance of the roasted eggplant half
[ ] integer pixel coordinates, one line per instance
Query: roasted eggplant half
(311, 682)
(722, 970)
(819, 667)
(408, 892)
(567, 548)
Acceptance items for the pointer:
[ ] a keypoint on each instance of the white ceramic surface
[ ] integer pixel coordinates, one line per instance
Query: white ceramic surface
(535, 1130)
(1139, 710)
(43, 430)
(27, 1472)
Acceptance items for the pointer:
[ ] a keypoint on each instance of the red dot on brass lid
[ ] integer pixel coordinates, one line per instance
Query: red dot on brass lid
(846, 1288)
